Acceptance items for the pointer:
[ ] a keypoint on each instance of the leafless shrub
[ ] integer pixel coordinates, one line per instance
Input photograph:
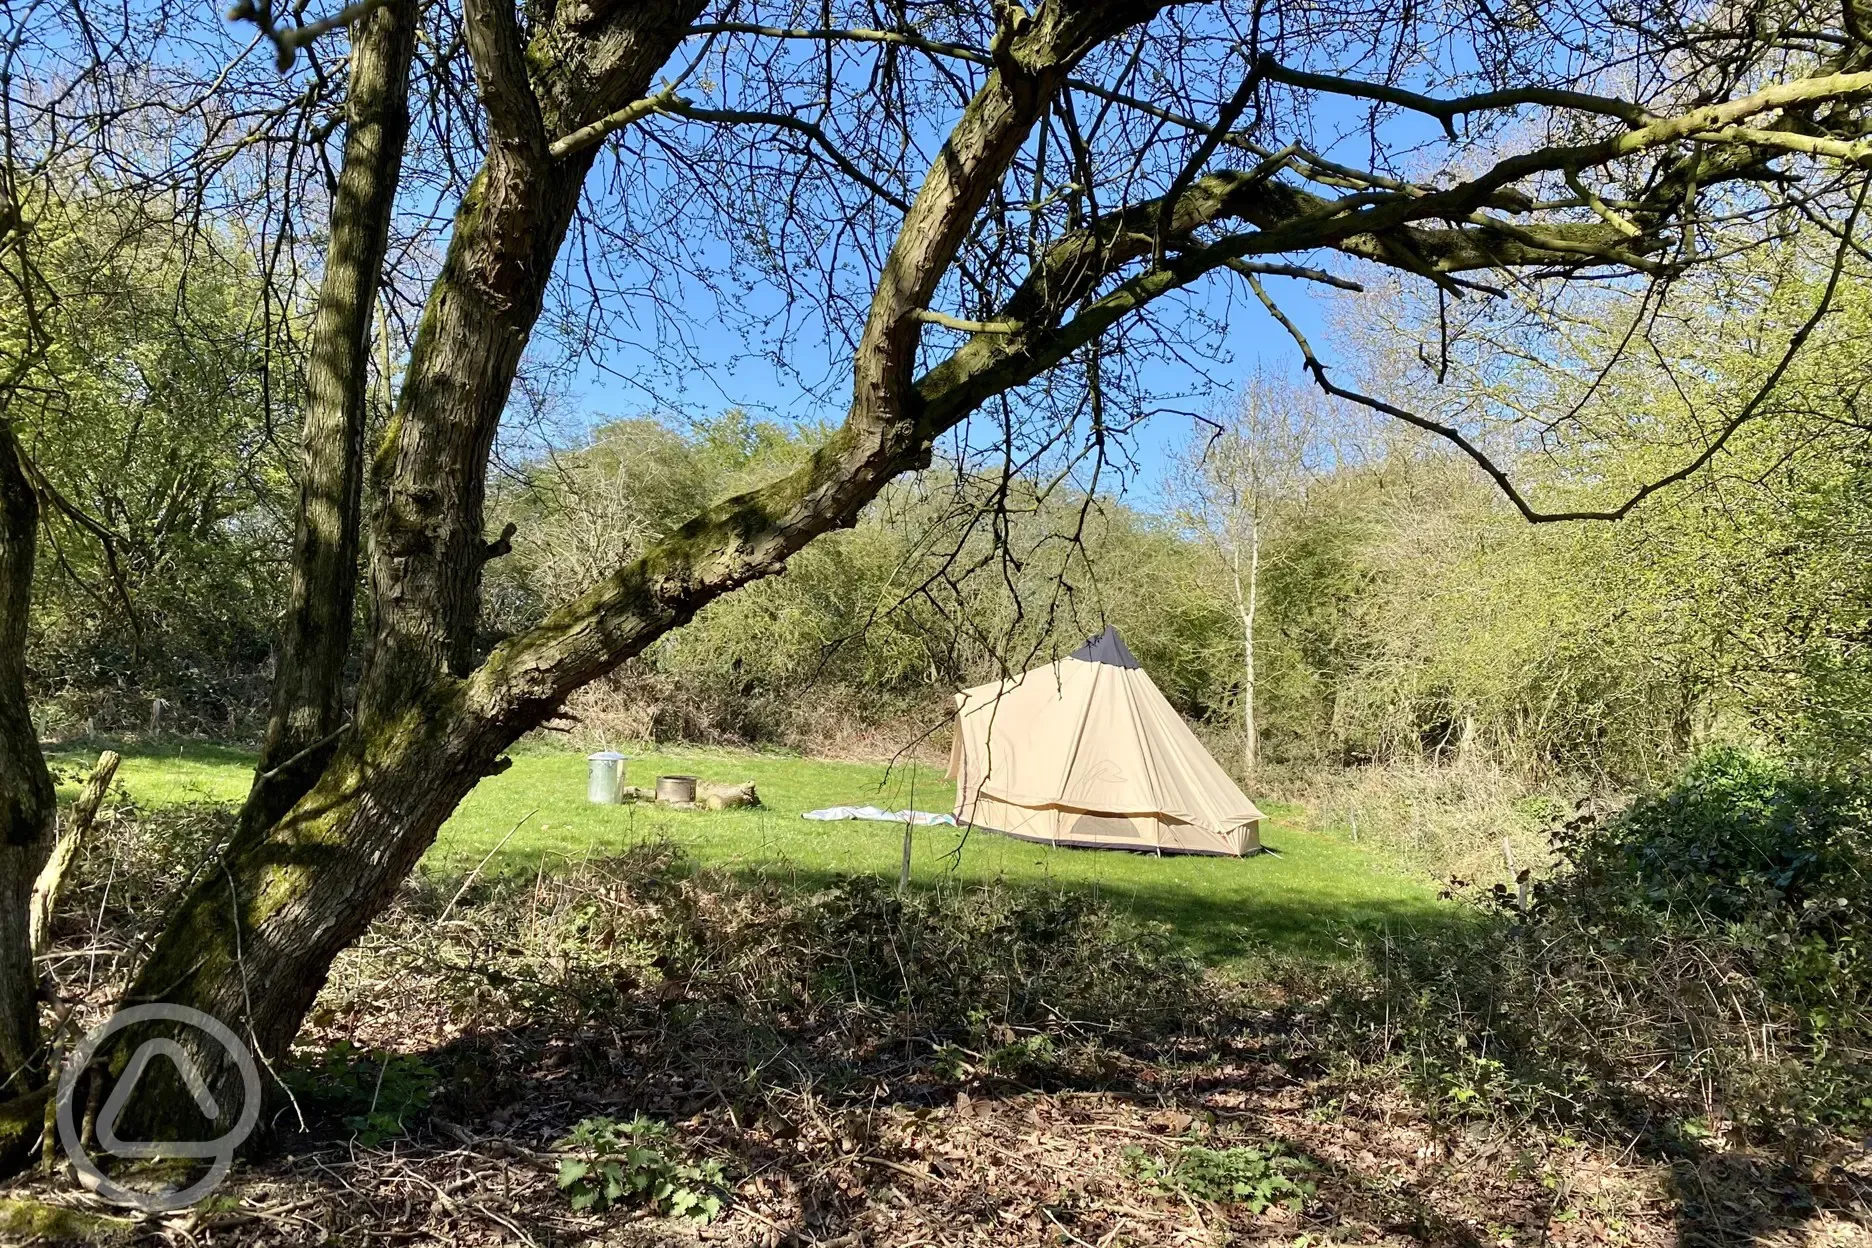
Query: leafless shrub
(1477, 822)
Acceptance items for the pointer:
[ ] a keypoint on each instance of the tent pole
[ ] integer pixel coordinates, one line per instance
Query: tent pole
(903, 871)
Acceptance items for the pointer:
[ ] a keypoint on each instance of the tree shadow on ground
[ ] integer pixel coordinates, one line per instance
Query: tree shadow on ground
(930, 1153)
(833, 1043)
(1216, 926)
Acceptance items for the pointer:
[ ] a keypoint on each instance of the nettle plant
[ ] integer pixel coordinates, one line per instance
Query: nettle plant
(376, 1095)
(633, 1163)
(1254, 1177)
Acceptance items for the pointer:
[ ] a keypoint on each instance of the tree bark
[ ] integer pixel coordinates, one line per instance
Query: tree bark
(429, 544)
(315, 634)
(427, 528)
(50, 883)
(27, 799)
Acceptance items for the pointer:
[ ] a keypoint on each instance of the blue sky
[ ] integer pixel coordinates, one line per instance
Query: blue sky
(730, 371)
(734, 377)
(727, 372)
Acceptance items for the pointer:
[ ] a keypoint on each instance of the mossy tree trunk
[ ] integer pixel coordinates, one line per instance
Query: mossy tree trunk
(27, 799)
(307, 705)
(320, 850)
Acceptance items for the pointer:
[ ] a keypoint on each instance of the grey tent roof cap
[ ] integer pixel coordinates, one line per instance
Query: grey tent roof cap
(1107, 647)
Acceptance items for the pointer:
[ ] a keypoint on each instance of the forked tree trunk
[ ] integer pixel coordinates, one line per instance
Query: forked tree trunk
(27, 799)
(315, 634)
(252, 943)
(254, 939)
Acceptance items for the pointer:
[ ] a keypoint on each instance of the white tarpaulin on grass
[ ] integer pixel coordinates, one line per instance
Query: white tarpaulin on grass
(922, 818)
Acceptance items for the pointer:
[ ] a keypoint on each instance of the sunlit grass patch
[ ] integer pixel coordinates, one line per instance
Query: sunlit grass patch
(1304, 897)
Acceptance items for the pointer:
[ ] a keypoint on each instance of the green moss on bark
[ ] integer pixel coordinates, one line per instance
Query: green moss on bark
(22, 1122)
(35, 1222)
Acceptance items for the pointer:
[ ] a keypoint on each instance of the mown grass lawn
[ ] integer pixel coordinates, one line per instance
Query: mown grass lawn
(1308, 896)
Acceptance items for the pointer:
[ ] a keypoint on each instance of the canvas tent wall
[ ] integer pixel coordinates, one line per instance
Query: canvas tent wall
(1087, 751)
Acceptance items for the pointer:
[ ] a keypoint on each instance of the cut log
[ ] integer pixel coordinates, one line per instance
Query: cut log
(54, 875)
(726, 796)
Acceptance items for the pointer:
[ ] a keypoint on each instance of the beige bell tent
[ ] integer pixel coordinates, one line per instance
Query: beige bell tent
(1087, 751)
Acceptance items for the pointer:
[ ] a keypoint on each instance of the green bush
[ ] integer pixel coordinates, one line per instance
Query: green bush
(374, 1094)
(1697, 964)
(1740, 838)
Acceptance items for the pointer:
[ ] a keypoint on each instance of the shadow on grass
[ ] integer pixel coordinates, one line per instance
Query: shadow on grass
(1315, 900)
(158, 771)
(1215, 926)
(154, 749)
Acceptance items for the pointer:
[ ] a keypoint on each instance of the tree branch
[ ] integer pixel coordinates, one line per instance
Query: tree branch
(1259, 268)
(500, 65)
(286, 43)
(898, 38)
(893, 417)
(1446, 111)
(679, 107)
(589, 136)
(316, 628)
(1600, 208)
(1495, 472)
(1225, 120)
(49, 886)
(929, 317)
(1854, 153)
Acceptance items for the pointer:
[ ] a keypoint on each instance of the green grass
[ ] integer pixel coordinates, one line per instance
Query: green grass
(163, 775)
(1303, 898)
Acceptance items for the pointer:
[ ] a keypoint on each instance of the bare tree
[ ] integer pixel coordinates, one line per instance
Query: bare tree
(1233, 486)
(975, 209)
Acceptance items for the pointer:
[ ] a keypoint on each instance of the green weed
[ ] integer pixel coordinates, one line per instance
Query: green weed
(374, 1094)
(633, 1163)
(1254, 1177)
